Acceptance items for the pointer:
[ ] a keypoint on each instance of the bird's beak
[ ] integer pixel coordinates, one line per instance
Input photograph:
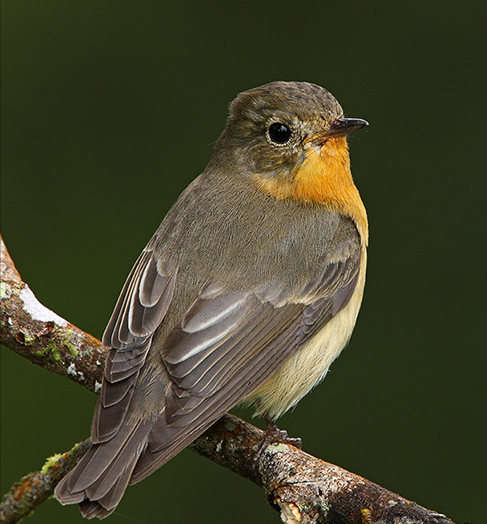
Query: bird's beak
(345, 126)
(341, 127)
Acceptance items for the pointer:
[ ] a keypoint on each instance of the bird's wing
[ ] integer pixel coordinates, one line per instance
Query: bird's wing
(229, 342)
(143, 302)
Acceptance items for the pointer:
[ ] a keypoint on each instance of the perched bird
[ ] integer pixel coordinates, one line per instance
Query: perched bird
(248, 291)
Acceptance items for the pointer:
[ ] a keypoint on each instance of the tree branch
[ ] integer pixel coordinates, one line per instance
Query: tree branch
(304, 489)
(34, 488)
(38, 334)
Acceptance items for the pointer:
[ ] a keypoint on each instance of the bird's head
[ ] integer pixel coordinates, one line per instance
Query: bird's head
(275, 131)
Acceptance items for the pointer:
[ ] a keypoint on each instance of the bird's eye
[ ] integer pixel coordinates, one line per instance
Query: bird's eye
(279, 133)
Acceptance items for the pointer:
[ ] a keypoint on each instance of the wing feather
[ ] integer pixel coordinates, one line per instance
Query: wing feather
(211, 379)
(143, 302)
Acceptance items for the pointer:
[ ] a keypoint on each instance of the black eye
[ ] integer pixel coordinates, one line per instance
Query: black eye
(279, 133)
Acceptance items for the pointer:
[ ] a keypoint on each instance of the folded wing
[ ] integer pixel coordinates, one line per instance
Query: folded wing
(228, 344)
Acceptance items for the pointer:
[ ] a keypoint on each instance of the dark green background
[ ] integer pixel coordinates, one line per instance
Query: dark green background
(110, 109)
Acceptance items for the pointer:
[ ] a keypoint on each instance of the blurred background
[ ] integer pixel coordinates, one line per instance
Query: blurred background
(109, 110)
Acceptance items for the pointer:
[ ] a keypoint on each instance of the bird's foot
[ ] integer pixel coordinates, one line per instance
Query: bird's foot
(274, 435)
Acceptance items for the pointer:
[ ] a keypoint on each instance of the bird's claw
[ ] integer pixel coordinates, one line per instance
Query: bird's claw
(274, 435)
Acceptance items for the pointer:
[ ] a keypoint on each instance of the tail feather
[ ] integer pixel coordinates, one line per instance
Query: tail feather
(154, 456)
(91, 509)
(106, 504)
(109, 418)
(97, 460)
(111, 499)
(99, 480)
(126, 459)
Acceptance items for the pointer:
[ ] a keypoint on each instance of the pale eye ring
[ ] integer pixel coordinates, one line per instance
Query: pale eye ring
(279, 133)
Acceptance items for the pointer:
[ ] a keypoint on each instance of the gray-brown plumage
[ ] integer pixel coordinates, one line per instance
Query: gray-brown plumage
(247, 291)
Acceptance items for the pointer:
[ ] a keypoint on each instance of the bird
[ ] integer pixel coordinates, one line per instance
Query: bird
(247, 292)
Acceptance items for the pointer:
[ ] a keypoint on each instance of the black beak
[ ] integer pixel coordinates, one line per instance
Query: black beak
(345, 126)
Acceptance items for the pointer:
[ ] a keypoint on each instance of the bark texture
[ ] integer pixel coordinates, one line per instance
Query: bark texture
(34, 488)
(303, 488)
(43, 337)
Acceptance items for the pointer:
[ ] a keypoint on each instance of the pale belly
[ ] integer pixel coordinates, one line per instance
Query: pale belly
(309, 365)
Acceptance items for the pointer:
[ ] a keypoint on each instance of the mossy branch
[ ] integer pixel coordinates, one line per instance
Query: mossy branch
(303, 488)
(34, 488)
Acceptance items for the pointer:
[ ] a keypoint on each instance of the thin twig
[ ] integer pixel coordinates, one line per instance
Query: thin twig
(34, 488)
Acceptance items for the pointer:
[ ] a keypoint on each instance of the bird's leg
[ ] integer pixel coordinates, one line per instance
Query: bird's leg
(272, 435)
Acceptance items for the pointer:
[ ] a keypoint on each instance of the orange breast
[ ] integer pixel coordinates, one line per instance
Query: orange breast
(323, 178)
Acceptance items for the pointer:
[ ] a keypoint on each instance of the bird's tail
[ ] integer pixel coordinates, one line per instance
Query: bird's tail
(99, 480)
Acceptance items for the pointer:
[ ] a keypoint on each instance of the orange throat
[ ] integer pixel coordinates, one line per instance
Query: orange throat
(323, 178)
